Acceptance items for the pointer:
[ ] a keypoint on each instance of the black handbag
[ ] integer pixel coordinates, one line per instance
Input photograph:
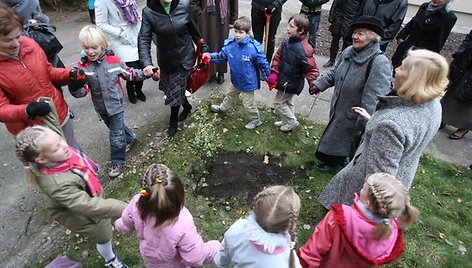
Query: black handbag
(43, 34)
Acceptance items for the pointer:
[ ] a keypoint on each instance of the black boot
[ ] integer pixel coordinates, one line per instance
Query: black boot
(186, 111)
(139, 91)
(221, 78)
(173, 123)
(212, 78)
(131, 94)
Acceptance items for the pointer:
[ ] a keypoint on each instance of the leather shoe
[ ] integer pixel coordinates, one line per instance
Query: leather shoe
(221, 78)
(325, 168)
(458, 134)
(212, 78)
(329, 63)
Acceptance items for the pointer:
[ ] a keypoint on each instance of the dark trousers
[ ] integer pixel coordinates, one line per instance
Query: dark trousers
(333, 49)
(258, 20)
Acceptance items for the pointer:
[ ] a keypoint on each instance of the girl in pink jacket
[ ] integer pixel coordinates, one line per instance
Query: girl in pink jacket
(168, 236)
(366, 234)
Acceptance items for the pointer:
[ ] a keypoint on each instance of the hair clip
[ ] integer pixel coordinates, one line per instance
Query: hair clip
(385, 221)
(157, 179)
(144, 193)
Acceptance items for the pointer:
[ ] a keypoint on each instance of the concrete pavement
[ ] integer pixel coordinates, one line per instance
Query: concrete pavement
(25, 230)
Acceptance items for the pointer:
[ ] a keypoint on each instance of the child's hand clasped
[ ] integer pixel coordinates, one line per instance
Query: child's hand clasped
(362, 112)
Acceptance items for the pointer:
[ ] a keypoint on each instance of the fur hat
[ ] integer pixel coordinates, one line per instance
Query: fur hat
(369, 22)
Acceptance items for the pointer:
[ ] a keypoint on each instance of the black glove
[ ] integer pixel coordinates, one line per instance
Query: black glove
(37, 108)
(204, 48)
(269, 9)
(77, 74)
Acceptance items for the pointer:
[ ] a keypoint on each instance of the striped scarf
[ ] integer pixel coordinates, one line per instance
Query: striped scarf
(79, 164)
(211, 8)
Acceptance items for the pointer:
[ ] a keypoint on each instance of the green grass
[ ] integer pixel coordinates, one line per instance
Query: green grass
(442, 192)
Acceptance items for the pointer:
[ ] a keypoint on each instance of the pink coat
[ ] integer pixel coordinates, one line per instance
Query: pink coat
(344, 239)
(175, 245)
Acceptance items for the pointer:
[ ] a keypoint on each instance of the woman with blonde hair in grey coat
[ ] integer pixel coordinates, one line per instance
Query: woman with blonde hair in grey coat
(397, 133)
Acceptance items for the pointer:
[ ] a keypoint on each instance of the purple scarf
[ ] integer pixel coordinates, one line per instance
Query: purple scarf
(129, 9)
(223, 9)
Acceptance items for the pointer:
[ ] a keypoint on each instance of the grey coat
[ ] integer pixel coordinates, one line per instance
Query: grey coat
(28, 9)
(393, 141)
(352, 89)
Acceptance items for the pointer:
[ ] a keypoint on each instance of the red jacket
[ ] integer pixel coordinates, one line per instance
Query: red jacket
(25, 80)
(344, 239)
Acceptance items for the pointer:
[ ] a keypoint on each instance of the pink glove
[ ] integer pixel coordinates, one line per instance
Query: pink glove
(206, 58)
(313, 90)
(273, 80)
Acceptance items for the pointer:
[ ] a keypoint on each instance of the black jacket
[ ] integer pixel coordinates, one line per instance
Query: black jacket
(341, 15)
(461, 68)
(259, 5)
(425, 30)
(176, 34)
(390, 12)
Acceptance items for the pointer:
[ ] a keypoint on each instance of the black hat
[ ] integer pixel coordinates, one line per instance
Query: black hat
(369, 22)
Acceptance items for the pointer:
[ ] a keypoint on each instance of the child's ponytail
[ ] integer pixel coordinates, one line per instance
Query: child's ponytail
(382, 229)
(409, 215)
(162, 196)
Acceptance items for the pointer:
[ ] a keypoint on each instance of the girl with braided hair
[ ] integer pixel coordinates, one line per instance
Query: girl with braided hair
(70, 181)
(366, 234)
(165, 228)
(265, 238)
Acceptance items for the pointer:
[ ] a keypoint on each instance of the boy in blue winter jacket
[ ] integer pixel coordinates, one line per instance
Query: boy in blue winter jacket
(246, 60)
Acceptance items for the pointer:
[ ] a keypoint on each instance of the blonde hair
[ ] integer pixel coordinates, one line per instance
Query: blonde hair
(276, 210)
(389, 199)
(92, 36)
(27, 147)
(373, 36)
(427, 76)
(163, 195)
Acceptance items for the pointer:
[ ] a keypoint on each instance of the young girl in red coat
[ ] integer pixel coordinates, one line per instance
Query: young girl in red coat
(366, 234)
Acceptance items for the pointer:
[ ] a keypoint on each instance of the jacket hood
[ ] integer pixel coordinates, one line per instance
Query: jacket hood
(358, 229)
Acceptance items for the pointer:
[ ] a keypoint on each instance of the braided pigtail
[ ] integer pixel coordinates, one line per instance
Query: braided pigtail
(276, 210)
(27, 148)
(389, 200)
(163, 195)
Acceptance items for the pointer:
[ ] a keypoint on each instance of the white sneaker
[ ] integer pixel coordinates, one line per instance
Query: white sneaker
(115, 170)
(216, 108)
(278, 123)
(289, 127)
(116, 263)
(253, 124)
(129, 145)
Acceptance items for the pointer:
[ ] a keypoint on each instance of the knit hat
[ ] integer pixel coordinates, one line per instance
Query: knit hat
(369, 22)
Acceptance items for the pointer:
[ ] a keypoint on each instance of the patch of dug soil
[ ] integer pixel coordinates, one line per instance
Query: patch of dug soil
(241, 175)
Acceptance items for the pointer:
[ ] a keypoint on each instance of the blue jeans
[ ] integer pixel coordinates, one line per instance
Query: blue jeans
(315, 19)
(120, 136)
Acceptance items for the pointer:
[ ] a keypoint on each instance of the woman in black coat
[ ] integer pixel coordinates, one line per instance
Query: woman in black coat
(176, 32)
(457, 102)
(428, 29)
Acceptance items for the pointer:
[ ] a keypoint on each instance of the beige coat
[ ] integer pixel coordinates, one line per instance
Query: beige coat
(73, 207)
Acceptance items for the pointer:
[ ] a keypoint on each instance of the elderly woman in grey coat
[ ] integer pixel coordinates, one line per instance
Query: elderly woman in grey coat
(361, 74)
(397, 133)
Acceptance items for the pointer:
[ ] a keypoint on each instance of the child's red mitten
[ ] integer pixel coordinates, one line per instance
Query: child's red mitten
(272, 80)
(313, 90)
(206, 58)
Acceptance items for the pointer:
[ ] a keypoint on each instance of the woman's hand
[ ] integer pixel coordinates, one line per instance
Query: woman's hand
(148, 70)
(362, 112)
(400, 40)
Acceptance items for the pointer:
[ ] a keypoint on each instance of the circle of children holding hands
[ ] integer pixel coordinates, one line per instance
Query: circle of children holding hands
(366, 234)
